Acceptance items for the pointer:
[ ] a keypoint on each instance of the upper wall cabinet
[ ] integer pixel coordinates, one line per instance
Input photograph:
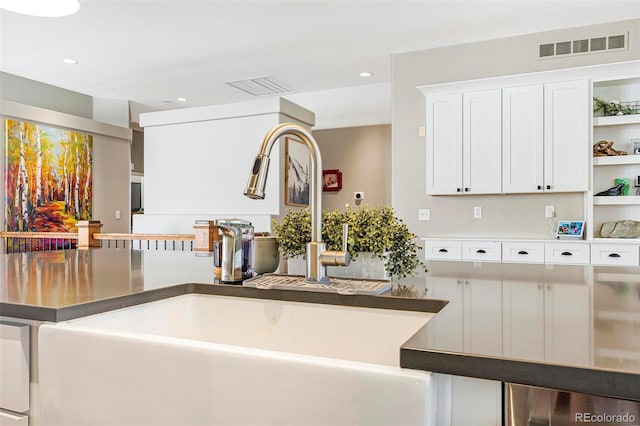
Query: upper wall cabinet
(464, 143)
(545, 130)
(523, 138)
(566, 131)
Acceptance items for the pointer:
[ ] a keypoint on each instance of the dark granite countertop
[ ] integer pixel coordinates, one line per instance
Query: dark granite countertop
(574, 328)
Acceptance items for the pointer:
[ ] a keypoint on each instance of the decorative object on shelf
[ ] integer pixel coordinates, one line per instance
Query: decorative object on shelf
(626, 182)
(297, 169)
(636, 145)
(638, 185)
(570, 230)
(620, 229)
(605, 148)
(331, 180)
(615, 107)
(374, 230)
(612, 192)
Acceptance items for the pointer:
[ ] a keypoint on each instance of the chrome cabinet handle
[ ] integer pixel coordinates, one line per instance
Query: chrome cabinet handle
(523, 252)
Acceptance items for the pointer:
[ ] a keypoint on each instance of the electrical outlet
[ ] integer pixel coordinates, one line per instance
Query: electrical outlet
(117, 214)
(549, 212)
(358, 196)
(477, 212)
(422, 131)
(424, 214)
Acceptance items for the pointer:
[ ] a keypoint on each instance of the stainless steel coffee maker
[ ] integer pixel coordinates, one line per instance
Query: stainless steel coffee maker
(233, 250)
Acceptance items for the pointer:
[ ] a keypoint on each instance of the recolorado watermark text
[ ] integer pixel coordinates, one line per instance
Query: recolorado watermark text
(619, 419)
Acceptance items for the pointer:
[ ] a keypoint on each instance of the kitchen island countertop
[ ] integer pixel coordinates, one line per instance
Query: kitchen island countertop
(572, 328)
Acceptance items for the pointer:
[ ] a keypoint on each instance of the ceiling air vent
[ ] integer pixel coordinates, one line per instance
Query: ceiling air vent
(259, 86)
(584, 46)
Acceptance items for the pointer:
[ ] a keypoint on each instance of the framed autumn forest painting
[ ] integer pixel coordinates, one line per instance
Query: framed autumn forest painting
(48, 177)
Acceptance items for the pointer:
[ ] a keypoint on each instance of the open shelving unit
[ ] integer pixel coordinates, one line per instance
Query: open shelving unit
(620, 130)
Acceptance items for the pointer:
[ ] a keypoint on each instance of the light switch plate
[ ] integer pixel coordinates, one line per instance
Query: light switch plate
(477, 212)
(549, 212)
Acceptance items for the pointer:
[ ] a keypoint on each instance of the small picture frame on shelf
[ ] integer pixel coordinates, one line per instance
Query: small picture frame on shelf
(636, 146)
(570, 230)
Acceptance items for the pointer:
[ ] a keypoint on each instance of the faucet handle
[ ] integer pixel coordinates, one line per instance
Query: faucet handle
(338, 258)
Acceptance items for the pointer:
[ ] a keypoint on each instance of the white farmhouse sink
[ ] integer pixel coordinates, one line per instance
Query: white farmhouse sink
(218, 360)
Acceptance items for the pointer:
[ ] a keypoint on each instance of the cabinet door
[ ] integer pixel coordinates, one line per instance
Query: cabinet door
(482, 142)
(522, 139)
(566, 133)
(444, 144)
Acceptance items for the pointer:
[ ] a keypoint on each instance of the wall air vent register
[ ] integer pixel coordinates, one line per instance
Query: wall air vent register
(583, 46)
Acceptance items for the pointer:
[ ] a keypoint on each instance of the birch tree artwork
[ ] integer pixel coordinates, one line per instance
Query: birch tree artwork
(47, 174)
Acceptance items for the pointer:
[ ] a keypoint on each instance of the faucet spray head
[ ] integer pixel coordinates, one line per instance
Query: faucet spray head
(258, 178)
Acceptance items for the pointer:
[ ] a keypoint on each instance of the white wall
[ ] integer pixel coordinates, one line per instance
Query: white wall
(503, 215)
(111, 160)
(197, 162)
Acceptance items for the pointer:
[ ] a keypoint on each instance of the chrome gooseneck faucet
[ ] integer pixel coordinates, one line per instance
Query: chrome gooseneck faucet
(318, 258)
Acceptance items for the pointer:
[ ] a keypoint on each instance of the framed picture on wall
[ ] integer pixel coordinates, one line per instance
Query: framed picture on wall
(297, 173)
(331, 180)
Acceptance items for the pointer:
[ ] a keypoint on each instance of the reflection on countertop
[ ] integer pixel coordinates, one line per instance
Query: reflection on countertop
(68, 277)
(570, 316)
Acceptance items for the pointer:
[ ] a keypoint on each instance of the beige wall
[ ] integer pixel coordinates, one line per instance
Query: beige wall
(30, 92)
(503, 215)
(363, 155)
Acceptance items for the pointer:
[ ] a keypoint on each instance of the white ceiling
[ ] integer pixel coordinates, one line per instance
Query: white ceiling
(150, 51)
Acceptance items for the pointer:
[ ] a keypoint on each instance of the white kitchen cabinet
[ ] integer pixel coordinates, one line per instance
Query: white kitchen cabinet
(545, 127)
(444, 144)
(566, 253)
(435, 249)
(14, 367)
(8, 418)
(615, 254)
(566, 128)
(464, 143)
(482, 142)
(522, 139)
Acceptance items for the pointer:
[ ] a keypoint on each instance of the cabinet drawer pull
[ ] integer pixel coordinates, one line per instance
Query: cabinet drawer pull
(443, 251)
(481, 251)
(566, 253)
(614, 255)
(523, 252)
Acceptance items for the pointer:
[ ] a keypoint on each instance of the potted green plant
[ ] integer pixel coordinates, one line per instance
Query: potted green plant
(375, 231)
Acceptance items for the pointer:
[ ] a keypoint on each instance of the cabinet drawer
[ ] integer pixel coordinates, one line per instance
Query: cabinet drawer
(481, 251)
(523, 252)
(443, 250)
(14, 367)
(566, 253)
(615, 254)
(13, 419)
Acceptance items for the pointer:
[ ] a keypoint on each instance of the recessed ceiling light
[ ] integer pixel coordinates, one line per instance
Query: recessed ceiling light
(366, 74)
(69, 61)
(181, 99)
(45, 8)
